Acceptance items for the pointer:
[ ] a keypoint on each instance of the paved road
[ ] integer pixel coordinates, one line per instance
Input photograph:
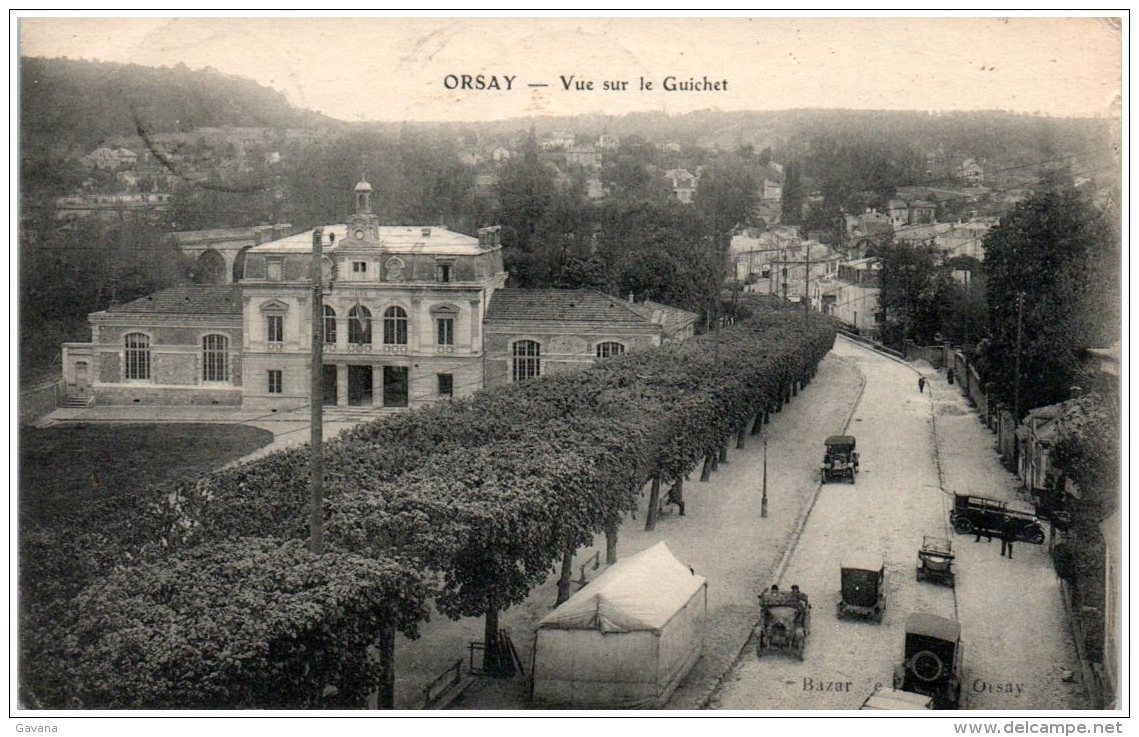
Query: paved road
(1010, 612)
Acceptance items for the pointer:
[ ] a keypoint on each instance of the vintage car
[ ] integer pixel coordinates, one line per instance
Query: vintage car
(935, 560)
(784, 621)
(932, 660)
(840, 460)
(889, 699)
(863, 587)
(971, 514)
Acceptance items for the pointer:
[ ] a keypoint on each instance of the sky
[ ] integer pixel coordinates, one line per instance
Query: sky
(395, 69)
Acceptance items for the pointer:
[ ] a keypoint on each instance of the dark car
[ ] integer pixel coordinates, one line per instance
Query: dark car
(973, 514)
(932, 662)
(784, 622)
(840, 461)
(863, 587)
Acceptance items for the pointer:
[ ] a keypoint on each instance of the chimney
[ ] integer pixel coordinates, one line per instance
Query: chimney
(425, 232)
(331, 238)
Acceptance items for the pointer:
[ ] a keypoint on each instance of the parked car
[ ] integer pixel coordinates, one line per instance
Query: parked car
(888, 698)
(840, 461)
(935, 561)
(971, 514)
(784, 622)
(932, 660)
(863, 587)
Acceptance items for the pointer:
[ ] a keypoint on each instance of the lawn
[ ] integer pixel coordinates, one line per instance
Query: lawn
(81, 485)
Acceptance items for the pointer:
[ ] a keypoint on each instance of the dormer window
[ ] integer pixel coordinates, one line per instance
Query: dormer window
(276, 267)
(359, 267)
(443, 273)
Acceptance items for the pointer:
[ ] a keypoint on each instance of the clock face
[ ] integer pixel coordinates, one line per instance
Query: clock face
(359, 234)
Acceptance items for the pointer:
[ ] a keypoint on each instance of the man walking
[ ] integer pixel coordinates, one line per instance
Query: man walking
(1008, 535)
(921, 384)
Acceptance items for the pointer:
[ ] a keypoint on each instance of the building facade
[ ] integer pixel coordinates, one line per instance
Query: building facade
(409, 315)
(537, 332)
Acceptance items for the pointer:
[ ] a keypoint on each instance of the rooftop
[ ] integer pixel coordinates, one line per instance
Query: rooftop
(576, 305)
(194, 299)
(393, 239)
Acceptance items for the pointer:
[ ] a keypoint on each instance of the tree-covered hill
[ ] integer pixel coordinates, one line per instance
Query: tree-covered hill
(79, 104)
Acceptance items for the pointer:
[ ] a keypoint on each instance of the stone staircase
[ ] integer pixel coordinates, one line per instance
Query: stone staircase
(78, 401)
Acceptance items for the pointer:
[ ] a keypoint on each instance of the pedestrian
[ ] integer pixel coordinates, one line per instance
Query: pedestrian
(675, 497)
(921, 384)
(949, 375)
(1008, 535)
(982, 530)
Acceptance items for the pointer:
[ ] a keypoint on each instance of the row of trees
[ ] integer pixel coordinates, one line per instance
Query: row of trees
(467, 503)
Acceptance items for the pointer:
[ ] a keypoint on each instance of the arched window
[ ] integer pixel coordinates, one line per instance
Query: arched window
(137, 356)
(359, 325)
(395, 326)
(215, 358)
(329, 325)
(527, 359)
(610, 348)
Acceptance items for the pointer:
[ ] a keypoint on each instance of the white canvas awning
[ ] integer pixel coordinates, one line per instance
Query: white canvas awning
(642, 592)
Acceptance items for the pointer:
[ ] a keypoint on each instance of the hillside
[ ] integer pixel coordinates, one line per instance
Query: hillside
(68, 104)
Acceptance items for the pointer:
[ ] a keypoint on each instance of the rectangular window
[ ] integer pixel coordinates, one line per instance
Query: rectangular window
(359, 267)
(276, 267)
(446, 330)
(444, 272)
(276, 328)
(446, 385)
(276, 381)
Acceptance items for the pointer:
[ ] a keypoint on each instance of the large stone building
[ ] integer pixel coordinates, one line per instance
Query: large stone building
(410, 315)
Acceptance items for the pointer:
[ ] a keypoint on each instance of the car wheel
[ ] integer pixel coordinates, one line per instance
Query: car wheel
(1035, 535)
(962, 525)
(927, 666)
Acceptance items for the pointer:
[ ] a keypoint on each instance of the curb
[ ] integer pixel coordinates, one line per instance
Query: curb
(785, 559)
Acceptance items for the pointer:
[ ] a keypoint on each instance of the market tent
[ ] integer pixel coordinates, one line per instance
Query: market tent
(625, 640)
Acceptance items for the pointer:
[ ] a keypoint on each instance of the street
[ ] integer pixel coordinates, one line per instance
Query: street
(916, 450)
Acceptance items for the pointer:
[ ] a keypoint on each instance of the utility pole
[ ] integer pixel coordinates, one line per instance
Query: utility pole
(763, 501)
(806, 289)
(316, 438)
(1016, 384)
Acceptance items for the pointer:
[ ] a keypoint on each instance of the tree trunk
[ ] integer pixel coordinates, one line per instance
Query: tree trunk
(566, 578)
(724, 453)
(611, 543)
(779, 403)
(386, 646)
(757, 423)
(740, 438)
(795, 388)
(715, 456)
(490, 662)
(706, 472)
(654, 504)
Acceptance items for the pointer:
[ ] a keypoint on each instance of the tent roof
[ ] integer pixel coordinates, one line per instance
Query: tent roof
(640, 593)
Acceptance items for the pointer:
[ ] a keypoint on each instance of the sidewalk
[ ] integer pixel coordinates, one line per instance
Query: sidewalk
(1014, 607)
(722, 536)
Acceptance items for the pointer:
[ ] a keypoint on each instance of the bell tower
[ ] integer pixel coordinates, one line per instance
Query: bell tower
(364, 225)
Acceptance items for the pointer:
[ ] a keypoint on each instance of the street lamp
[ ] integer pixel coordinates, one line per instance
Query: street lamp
(763, 502)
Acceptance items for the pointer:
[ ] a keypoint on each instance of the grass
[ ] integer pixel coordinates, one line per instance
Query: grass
(80, 487)
(69, 469)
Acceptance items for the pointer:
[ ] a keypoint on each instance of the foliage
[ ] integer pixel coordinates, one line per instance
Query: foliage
(1063, 255)
(915, 292)
(68, 270)
(1089, 454)
(252, 623)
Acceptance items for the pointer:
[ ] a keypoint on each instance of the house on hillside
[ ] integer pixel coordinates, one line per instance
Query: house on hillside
(971, 172)
(683, 184)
